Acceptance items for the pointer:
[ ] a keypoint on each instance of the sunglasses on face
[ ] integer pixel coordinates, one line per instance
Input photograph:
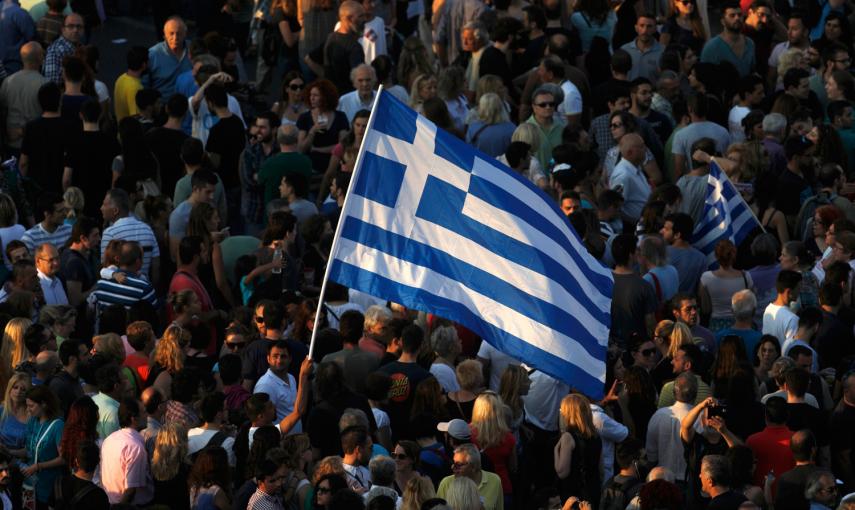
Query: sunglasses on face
(259, 319)
(324, 490)
(648, 352)
(400, 456)
(296, 86)
(545, 105)
(615, 126)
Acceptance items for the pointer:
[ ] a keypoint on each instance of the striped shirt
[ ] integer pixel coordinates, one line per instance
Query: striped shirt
(135, 288)
(38, 235)
(132, 229)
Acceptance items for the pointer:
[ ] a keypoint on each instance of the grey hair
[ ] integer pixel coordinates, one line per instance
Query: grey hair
(551, 89)
(479, 29)
(363, 67)
(717, 468)
(765, 246)
(744, 304)
(287, 134)
(382, 471)
(375, 315)
(444, 340)
(353, 417)
(652, 248)
(780, 366)
(685, 388)
(814, 482)
(661, 473)
(471, 453)
(774, 124)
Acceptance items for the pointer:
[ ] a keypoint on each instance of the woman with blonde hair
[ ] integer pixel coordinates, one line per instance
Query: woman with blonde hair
(491, 133)
(169, 467)
(470, 378)
(298, 459)
(13, 351)
(418, 490)
(793, 57)
(514, 385)
(530, 134)
(423, 88)
(168, 359)
(462, 494)
(14, 414)
(74, 201)
(60, 319)
(491, 434)
(578, 451)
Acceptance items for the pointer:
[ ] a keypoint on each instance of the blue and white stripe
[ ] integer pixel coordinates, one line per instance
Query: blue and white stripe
(726, 215)
(435, 225)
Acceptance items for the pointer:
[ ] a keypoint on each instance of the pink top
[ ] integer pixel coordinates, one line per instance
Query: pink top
(124, 464)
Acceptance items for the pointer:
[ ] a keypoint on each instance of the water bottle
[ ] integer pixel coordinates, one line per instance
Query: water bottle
(277, 257)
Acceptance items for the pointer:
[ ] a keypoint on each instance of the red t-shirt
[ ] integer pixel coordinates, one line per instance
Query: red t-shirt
(500, 456)
(771, 447)
(138, 364)
(186, 281)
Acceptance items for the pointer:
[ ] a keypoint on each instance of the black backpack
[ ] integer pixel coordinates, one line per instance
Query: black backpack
(617, 495)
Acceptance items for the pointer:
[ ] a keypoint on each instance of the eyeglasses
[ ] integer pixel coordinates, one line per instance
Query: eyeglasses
(459, 465)
(615, 126)
(296, 86)
(648, 352)
(400, 456)
(545, 105)
(259, 319)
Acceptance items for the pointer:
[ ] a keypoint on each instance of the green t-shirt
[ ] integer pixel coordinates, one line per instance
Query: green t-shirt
(490, 490)
(271, 172)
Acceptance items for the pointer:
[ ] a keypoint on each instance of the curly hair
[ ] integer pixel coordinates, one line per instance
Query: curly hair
(327, 466)
(328, 91)
(168, 352)
(79, 426)
(170, 450)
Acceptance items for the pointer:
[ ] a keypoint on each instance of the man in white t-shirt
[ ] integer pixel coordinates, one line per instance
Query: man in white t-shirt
(751, 93)
(778, 319)
(494, 362)
(551, 70)
(213, 412)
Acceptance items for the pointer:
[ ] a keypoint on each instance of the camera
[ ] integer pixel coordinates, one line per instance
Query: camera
(719, 409)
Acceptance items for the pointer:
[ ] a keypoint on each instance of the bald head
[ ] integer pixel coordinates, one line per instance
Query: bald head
(350, 16)
(660, 473)
(152, 399)
(174, 33)
(632, 148)
(46, 362)
(32, 55)
(803, 445)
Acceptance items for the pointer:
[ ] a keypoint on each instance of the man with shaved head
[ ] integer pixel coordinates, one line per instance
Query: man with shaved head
(627, 177)
(64, 45)
(168, 58)
(19, 94)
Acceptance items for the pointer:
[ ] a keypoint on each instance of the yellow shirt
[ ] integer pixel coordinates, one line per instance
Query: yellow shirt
(490, 490)
(125, 96)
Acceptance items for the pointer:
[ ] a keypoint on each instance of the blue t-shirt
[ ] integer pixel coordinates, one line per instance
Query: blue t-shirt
(668, 279)
(690, 264)
(716, 50)
(589, 28)
(750, 338)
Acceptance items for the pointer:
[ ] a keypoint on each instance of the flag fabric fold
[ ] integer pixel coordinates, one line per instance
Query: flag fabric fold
(433, 224)
(725, 216)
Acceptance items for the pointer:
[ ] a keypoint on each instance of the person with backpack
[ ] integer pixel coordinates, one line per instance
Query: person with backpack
(830, 179)
(625, 485)
(211, 433)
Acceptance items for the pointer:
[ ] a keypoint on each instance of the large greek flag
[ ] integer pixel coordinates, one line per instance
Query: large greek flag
(726, 215)
(433, 224)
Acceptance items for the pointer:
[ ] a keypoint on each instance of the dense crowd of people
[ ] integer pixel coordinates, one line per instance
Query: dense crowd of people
(165, 237)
